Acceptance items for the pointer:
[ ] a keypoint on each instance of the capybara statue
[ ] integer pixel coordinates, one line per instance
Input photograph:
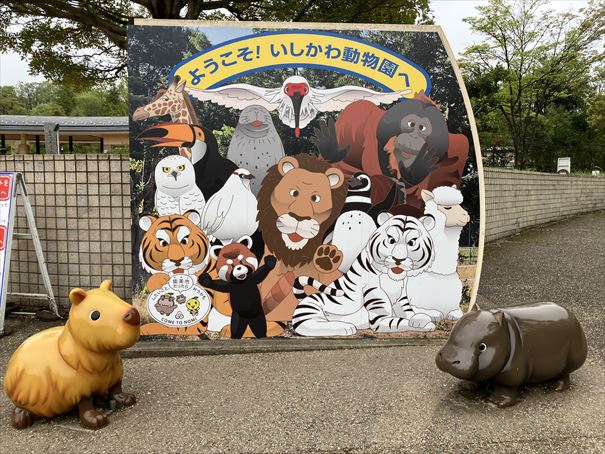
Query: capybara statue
(64, 367)
(510, 347)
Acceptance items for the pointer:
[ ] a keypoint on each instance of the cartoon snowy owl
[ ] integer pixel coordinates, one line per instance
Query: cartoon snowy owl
(176, 191)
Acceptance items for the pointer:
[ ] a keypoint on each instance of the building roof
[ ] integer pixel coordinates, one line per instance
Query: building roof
(35, 123)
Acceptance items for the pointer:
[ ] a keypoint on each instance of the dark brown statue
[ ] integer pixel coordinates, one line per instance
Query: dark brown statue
(510, 347)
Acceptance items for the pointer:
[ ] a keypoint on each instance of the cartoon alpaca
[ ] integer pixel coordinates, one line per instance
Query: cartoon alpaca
(173, 100)
(438, 291)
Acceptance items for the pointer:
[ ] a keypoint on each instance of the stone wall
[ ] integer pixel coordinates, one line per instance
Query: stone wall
(516, 200)
(82, 209)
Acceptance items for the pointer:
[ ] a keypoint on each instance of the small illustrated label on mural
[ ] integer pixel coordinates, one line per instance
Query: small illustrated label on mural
(179, 303)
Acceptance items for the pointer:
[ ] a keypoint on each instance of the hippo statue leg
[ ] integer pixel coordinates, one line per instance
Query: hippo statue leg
(561, 383)
(126, 399)
(504, 396)
(90, 417)
(21, 418)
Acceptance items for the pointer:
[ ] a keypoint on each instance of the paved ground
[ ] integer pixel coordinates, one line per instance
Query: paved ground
(370, 400)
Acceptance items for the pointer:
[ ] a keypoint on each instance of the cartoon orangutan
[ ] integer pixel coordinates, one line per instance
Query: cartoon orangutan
(407, 144)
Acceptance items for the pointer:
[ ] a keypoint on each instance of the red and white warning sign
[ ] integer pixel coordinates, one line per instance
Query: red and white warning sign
(7, 188)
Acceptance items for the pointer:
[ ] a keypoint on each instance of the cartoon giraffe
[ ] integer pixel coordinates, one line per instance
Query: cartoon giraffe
(174, 101)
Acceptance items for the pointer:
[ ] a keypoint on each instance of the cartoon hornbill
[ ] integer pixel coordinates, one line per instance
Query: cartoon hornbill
(211, 169)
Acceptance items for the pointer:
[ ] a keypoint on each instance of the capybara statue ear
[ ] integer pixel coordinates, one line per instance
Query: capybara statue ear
(106, 284)
(77, 295)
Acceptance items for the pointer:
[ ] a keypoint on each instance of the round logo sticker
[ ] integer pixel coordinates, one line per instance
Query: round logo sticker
(179, 303)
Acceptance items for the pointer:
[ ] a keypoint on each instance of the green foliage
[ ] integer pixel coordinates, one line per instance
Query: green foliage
(531, 81)
(82, 43)
(48, 98)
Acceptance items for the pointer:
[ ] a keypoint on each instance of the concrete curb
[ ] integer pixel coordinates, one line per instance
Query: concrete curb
(146, 349)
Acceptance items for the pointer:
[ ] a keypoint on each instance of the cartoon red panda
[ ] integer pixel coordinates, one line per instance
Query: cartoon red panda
(239, 274)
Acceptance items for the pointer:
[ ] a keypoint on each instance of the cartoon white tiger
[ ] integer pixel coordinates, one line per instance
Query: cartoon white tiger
(400, 247)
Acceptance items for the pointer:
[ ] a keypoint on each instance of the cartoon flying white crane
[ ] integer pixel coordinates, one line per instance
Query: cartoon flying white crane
(296, 102)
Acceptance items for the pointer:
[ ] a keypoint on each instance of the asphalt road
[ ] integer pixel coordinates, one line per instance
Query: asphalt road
(366, 400)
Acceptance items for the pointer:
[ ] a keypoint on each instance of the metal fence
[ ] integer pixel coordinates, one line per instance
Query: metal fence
(82, 208)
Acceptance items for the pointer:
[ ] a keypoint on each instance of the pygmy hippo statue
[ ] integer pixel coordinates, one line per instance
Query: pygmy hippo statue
(510, 347)
(67, 366)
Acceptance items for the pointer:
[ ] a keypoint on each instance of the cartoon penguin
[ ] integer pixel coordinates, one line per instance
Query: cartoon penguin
(255, 145)
(211, 169)
(358, 219)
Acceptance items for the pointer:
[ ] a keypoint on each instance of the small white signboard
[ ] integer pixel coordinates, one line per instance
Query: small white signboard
(564, 165)
(7, 198)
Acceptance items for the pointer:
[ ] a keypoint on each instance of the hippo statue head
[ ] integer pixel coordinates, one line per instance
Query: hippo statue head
(477, 348)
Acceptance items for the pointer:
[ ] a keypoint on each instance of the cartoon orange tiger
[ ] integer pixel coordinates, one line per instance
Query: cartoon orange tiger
(175, 244)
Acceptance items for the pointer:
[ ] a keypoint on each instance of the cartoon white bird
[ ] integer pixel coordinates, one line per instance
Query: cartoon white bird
(176, 191)
(296, 102)
(231, 213)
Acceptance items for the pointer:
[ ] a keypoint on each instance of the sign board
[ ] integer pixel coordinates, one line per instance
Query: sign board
(323, 180)
(564, 165)
(7, 198)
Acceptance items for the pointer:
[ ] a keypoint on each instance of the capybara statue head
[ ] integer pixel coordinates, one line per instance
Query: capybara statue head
(102, 322)
(477, 348)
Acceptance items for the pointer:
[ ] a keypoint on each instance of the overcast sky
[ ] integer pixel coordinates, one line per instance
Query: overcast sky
(448, 14)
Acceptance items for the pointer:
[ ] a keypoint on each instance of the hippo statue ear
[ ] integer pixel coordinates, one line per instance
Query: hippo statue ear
(105, 285)
(427, 195)
(384, 217)
(286, 164)
(77, 295)
(499, 316)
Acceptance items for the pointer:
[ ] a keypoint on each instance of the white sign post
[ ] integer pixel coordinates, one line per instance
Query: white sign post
(8, 197)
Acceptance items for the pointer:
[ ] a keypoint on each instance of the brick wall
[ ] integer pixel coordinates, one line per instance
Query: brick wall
(82, 209)
(516, 200)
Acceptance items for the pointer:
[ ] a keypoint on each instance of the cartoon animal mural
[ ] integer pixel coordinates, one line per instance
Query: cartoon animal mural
(351, 230)
(239, 275)
(231, 212)
(174, 245)
(438, 291)
(409, 141)
(296, 102)
(172, 101)
(357, 220)
(176, 191)
(299, 199)
(400, 248)
(255, 144)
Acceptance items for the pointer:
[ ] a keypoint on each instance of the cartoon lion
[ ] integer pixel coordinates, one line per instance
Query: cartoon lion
(299, 199)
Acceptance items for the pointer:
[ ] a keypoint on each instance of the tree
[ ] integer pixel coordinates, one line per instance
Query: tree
(83, 42)
(531, 60)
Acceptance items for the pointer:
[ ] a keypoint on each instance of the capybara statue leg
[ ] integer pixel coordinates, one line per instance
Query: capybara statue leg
(126, 399)
(21, 418)
(561, 383)
(504, 396)
(90, 417)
